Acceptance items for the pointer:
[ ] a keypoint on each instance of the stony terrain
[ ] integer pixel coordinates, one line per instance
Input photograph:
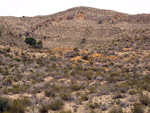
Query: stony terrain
(91, 61)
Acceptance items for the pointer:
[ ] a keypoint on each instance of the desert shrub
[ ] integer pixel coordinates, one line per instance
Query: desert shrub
(76, 87)
(84, 97)
(45, 37)
(8, 80)
(92, 89)
(18, 59)
(5, 72)
(4, 104)
(117, 101)
(56, 104)
(76, 49)
(85, 57)
(92, 111)
(30, 41)
(144, 99)
(26, 102)
(49, 93)
(5, 90)
(114, 74)
(94, 105)
(123, 88)
(145, 86)
(104, 107)
(17, 106)
(2, 63)
(44, 108)
(132, 92)
(89, 77)
(18, 89)
(66, 96)
(18, 77)
(118, 95)
(39, 44)
(137, 108)
(116, 110)
(69, 111)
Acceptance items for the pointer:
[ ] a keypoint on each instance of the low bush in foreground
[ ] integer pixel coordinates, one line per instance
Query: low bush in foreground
(4, 104)
(56, 104)
(137, 108)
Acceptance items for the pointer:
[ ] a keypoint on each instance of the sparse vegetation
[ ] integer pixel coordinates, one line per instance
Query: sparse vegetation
(65, 67)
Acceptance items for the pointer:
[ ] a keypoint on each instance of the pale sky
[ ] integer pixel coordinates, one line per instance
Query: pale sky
(47, 7)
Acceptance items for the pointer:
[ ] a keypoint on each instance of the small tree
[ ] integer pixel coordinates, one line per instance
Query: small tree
(30, 41)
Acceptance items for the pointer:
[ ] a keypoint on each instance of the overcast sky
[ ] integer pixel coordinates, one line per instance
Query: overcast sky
(46, 7)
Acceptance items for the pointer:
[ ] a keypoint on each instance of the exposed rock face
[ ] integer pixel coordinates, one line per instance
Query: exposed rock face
(79, 16)
(55, 21)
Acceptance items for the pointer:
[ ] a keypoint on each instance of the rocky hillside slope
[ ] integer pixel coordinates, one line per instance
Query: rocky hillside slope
(69, 27)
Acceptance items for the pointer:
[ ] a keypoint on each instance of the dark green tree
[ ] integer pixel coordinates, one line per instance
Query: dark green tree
(30, 41)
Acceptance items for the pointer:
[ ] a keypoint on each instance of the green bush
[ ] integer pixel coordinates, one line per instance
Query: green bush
(56, 104)
(4, 104)
(137, 108)
(17, 106)
(132, 92)
(30, 41)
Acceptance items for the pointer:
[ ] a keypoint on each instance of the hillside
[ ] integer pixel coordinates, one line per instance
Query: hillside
(68, 28)
(91, 61)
